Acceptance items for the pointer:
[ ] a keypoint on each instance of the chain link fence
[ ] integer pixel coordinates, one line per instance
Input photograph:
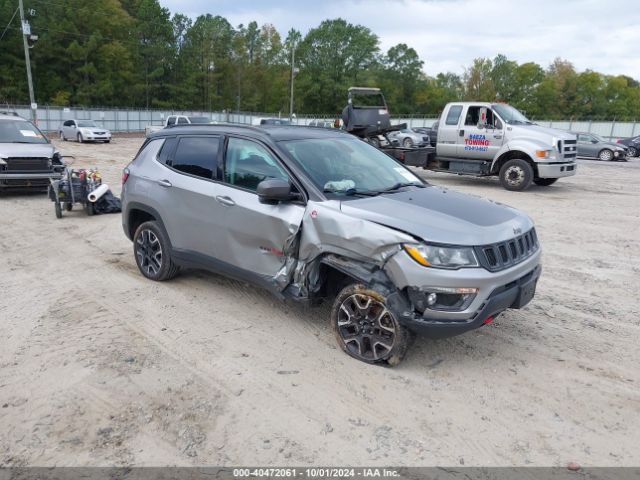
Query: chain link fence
(131, 120)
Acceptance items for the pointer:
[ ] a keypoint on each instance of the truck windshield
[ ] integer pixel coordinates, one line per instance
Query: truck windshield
(511, 115)
(20, 131)
(349, 166)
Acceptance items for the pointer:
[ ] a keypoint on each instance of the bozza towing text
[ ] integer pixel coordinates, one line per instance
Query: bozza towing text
(316, 214)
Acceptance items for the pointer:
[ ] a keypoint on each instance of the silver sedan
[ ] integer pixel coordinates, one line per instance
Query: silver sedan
(409, 138)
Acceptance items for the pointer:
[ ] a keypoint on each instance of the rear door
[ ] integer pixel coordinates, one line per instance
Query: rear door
(448, 131)
(253, 236)
(186, 185)
(69, 130)
(480, 135)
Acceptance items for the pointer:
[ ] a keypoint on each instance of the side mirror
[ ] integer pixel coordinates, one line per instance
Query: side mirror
(594, 141)
(274, 190)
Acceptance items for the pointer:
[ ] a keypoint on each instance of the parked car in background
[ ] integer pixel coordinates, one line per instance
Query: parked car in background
(172, 120)
(591, 145)
(408, 138)
(83, 131)
(632, 144)
(321, 123)
(315, 214)
(433, 133)
(27, 157)
(274, 121)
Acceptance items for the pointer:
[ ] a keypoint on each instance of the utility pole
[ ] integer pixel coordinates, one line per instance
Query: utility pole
(293, 74)
(26, 30)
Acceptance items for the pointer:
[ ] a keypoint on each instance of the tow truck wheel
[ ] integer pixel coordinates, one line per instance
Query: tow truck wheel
(365, 329)
(516, 175)
(605, 155)
(544, 182)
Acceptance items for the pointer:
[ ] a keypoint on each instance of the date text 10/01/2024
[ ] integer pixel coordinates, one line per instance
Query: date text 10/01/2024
(315, 472)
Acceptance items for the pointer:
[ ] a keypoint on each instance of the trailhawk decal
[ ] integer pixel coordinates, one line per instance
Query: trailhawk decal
(476, 143)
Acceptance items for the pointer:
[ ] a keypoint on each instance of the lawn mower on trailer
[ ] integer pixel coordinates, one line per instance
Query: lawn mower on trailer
(79, 186)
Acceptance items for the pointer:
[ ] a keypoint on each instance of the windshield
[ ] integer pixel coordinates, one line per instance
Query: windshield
(199, 120)
(349, 166)
(511, 115)
(598, 138)
(86, 123)
(19, 131)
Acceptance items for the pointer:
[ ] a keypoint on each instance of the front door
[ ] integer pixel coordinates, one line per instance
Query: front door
(481, 134)
(587, 146)
(250, 235)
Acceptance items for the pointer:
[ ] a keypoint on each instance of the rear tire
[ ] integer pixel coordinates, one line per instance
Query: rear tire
(365, 329)
(152, 252)
(516, 175)
(544, 182)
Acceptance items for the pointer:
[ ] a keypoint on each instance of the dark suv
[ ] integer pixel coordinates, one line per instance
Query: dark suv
(313, 213)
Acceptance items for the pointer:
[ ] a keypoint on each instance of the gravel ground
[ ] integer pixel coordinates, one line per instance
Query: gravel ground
(99, 366)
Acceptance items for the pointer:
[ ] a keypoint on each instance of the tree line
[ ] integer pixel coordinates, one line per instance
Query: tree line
(135, 53)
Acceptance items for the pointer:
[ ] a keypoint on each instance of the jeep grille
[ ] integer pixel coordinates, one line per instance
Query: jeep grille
(498, 256)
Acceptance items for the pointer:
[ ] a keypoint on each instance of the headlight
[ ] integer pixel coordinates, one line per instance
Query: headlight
(435, 256)
(86, 132)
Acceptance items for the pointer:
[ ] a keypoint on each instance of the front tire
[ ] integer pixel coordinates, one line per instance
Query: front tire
(151, 249)
(365, 329)
(544, 182)
(407, 143)
(516, 175)
(605, 155)
(80, 139)
(633, 151)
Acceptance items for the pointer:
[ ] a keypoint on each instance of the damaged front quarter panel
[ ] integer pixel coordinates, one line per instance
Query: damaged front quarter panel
(358, 248)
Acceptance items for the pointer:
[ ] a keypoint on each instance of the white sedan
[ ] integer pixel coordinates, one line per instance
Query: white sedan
(84, 131)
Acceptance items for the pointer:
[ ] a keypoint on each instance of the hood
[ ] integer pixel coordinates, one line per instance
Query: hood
(554, 132)
(26, 150)
(613, 146)
(439, 215)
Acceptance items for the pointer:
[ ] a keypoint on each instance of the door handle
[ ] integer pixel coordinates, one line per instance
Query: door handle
(225, 201)
(461, 133)
(164, 183)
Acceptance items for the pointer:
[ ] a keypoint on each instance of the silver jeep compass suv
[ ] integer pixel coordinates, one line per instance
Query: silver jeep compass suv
(314, 213)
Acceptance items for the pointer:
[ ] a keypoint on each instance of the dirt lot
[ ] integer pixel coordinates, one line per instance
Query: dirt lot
(99, 366)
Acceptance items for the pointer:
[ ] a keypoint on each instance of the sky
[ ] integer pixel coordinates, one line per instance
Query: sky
(599, 35)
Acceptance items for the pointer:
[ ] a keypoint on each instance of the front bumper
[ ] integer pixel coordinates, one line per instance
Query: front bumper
(556, 170)
(497, 291)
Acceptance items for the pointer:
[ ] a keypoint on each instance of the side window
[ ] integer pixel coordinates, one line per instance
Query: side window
(167, 150)
(454, 115)
(247, 163)
(498, 123)
(182, 121)
(196, 156)
(67, 123)
(171, 121)
(583, 138)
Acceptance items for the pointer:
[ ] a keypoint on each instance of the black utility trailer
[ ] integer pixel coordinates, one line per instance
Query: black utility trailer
(367, 116)
(74, 187)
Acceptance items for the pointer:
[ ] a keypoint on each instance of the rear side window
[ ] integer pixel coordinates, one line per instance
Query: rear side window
(171, 121)
(182, 121)
(196, 156)
(454, 115)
